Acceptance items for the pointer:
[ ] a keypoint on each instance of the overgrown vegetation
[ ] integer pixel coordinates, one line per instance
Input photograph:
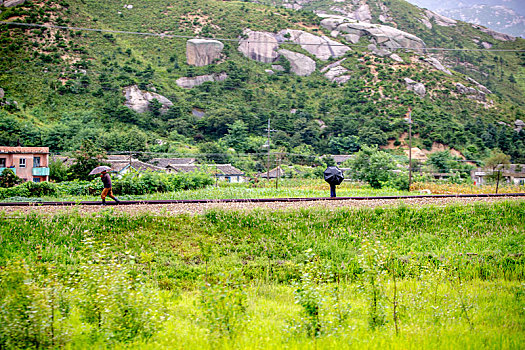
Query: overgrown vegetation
(421, 277)
(129, 184)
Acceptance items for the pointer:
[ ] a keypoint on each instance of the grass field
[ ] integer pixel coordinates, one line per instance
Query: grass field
(401, 277)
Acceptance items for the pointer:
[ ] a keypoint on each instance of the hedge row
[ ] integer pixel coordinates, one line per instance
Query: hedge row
(129, 184)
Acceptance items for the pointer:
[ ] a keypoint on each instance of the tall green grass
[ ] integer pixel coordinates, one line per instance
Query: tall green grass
(458, 272)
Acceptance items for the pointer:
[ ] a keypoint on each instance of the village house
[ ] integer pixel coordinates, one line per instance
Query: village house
(223, 172)
(512, 174)
(28, 163)
(164, 162)
(122, 164)
(341, 158)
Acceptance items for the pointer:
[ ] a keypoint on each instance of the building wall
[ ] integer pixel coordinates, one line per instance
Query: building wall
(26, 173)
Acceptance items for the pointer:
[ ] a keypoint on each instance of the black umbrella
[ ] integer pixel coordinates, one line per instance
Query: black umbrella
(333, 175)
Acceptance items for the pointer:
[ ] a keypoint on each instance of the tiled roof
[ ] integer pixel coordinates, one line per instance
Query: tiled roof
(33, 150)
(118, 166)
(135, 164)
(273, 173)
(164, 162)
(221, 169)
(141, 166)
(67, 161)
(338, 159)
(227, 169)
(117, 157)
(186, 168)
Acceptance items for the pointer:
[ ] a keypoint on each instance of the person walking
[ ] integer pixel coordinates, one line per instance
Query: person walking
(107, 191)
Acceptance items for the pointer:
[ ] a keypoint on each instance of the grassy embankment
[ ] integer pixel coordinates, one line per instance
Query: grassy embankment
(296, 279)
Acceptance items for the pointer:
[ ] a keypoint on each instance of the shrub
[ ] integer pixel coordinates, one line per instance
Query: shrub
(150, 182)
(9, 179)
(29, 189)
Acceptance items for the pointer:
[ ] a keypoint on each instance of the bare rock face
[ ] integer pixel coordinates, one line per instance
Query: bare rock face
(259, 46)
(363, 13)
(342, 79)
(202, 52)
(299, 64)
(520, 124)
(383, 36)
(331, 22)
(353, 38)
(396, 58)
(13, 3)
(480, 87)
(332, 65)
(335, 72)
(190, 82)
(439, 19)
(436, 64)
(139, 100)
(321, 47)
(494, 34)
(418, 88)
(379, 52)
(471, 92)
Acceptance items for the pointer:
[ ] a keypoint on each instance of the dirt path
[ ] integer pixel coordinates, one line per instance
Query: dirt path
(199, 208)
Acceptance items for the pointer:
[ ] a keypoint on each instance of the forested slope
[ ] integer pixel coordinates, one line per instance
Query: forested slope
(68, 84)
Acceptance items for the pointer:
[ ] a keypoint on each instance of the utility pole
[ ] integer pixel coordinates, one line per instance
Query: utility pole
(409, 148)
(278, 171)
(268, 162)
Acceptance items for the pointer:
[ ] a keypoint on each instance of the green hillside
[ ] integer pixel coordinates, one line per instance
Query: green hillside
(68, 84)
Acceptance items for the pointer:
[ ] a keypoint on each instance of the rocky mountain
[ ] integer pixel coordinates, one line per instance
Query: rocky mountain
(503, 16)
(186, 76)
(499, 18)
(517, 5)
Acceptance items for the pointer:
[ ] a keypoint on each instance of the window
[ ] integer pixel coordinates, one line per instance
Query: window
(2, 162)
(36, 162)
(22, 162)
(36, 179)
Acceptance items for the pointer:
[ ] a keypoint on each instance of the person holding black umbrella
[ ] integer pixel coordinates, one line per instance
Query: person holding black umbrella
(334, 176)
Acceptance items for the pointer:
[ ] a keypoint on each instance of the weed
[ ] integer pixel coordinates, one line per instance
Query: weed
(223, 305)
(373, 259)
(322, 312)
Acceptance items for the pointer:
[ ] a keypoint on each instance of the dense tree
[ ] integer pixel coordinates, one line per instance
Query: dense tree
(237, 137)
(372, 166)
(344, 145)
(87, 158)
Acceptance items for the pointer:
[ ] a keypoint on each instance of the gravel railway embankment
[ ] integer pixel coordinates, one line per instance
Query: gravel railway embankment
(199, 208)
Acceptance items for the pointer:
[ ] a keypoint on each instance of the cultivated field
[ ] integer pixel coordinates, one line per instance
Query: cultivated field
(402, 275)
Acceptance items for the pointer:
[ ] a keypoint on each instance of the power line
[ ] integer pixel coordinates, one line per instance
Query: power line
(177, 36)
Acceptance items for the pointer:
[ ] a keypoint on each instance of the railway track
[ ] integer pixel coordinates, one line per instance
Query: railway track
(256, 200)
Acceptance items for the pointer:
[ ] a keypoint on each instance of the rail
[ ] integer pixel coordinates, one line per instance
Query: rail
(255, 200)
